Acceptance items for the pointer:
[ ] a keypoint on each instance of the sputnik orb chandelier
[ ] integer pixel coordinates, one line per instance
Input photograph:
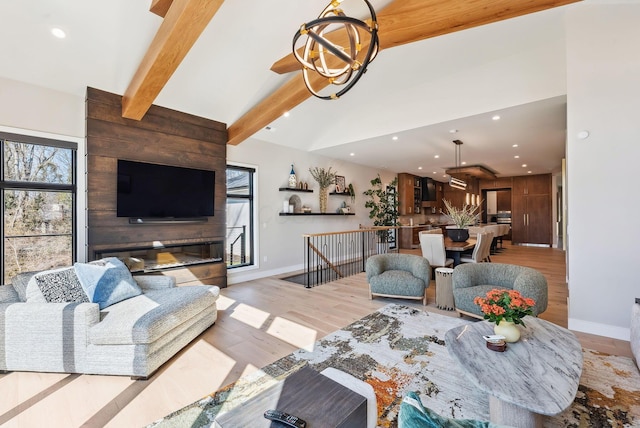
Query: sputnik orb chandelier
(341, 65)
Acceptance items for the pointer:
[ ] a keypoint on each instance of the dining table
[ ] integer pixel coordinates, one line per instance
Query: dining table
(455, 248)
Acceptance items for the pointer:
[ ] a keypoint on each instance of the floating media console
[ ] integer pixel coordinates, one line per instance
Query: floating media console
(160, 220)
(167, 257)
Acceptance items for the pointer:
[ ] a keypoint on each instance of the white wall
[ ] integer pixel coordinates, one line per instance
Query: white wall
(35, 108)
(603, 82)
(32, 110)
(280, 237)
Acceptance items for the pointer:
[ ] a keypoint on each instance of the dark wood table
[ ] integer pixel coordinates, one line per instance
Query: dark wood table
(317, 399)
(454, 248)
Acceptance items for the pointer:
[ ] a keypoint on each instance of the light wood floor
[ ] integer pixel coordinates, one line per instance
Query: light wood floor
(258, 322)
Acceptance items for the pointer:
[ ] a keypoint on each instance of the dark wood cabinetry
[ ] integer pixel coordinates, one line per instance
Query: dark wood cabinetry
(496, 183)
(409, 194)
(503, 199)
(531, 209)
(410, 236)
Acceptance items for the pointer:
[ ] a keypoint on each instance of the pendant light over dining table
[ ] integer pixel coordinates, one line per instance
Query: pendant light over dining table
(336, 48)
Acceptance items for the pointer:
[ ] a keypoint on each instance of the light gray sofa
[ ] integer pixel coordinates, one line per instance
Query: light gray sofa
(133, 337)
(471, 280)
(404, 276)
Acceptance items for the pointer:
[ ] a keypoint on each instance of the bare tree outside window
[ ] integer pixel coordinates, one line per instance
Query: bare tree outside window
(38, 198)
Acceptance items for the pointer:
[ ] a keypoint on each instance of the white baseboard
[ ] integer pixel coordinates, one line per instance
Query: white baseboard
(237, 277)
(606, 330)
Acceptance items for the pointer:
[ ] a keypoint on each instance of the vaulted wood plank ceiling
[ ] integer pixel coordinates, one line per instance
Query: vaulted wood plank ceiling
(402, 21)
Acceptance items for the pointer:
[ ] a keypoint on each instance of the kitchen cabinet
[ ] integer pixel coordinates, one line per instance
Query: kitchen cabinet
(503, 200)
(531, 209)
(496, 183)
(410, 236)
(409, 194)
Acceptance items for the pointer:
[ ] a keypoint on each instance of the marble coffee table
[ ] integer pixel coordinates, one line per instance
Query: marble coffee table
(538, 375)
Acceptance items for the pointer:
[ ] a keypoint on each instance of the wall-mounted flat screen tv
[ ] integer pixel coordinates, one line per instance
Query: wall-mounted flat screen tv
(148, 190)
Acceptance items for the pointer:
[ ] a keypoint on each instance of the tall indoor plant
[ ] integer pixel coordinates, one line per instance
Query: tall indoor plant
(383, 205)
(325, 178)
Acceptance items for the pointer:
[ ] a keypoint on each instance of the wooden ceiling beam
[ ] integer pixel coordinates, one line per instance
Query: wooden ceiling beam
(407, 21)
(286, 97)
(160, 7)
(402, 21)
(185, 20)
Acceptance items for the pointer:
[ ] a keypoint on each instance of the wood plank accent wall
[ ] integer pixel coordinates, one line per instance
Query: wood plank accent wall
(165, 137)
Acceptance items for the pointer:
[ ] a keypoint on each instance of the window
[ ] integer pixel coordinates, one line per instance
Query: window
(38, 185)
(239, 242)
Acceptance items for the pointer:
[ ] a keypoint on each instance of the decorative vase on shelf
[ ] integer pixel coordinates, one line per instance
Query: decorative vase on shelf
(293, 181)
(323, 199)
(458, 235)
(508, 329)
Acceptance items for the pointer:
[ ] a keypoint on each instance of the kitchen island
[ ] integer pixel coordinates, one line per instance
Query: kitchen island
(409, 235)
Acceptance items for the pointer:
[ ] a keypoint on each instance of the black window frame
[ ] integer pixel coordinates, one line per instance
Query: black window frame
(39, 186)
(251, 198)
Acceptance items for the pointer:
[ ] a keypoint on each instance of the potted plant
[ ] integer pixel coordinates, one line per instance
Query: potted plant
(325, 178)
(383, 206)
(463, 217)
(506, 308)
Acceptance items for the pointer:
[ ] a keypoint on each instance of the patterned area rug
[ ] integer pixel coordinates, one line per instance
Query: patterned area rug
(399, 349)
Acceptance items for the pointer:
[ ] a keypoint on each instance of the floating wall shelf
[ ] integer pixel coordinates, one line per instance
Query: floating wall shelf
(302, 214)
(293, 189)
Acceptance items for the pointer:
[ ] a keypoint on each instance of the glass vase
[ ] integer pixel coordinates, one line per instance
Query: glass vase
(508, 329)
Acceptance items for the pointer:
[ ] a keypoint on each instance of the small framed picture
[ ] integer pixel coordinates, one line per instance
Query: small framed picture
(340, 184)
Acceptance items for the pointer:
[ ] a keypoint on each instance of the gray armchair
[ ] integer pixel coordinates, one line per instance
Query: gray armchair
(403, 276)
(475, 280)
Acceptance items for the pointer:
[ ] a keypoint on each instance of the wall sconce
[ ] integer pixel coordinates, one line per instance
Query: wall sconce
(340, 65)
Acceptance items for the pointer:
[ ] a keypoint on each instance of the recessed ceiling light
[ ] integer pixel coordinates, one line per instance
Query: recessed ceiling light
(286, 114)
(444, 176)
(437, 156)
(419, 167)
(352, 154)
(394, 138)
(496, 117)
(463, 163)
(517, 157)
(453, 131)
(524, 165)
(515, 145)
(434, 172)
(528, 172)
(58, 32)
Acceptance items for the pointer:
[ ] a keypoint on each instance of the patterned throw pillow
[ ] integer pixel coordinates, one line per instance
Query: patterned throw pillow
(56, 286)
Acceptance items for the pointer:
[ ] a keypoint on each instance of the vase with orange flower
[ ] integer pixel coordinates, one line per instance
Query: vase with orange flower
(506, 308)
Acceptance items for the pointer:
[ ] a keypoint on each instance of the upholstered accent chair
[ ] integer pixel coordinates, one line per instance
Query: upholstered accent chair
(471, 280)
(432, 247)
(404, 276)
